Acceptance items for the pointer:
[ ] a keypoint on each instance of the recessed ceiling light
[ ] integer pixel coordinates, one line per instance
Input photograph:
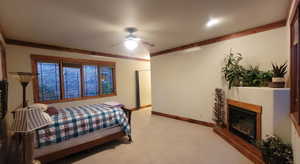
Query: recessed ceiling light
(212, 22)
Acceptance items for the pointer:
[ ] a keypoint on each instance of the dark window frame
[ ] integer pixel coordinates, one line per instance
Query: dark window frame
(62, 60)
(295, 71)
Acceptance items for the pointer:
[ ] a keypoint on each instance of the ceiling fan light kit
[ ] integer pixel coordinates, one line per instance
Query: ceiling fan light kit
(130, 44)
(131, 41)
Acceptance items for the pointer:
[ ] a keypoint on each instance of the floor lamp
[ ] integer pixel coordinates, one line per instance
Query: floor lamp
(22, 117)
(24, 78)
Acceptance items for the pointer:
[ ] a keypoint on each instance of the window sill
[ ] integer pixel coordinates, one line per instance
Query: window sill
(76, 99)
(293, 117)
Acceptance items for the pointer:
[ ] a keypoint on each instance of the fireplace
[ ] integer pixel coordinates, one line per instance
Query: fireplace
(242, 123)
(244, 120)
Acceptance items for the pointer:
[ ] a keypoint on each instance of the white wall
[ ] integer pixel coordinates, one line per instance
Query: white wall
(18, 59)
(183, 82)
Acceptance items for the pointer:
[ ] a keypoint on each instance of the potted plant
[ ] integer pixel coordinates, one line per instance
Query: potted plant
(275, 151)
(233, 70)
(254, 77)
(279, 71)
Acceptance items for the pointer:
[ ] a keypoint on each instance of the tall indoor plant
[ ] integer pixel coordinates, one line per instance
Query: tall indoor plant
(232, 70)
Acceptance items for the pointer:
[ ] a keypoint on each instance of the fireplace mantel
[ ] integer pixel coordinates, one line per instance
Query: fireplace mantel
(275, 104)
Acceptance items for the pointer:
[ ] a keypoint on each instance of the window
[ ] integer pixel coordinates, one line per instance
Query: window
(91, 80)
(72, 81)
(64, 79)
(106, 76)
(295, 71)
(49, 84)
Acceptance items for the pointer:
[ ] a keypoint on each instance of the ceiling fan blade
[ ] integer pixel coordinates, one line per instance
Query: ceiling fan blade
(147, 43)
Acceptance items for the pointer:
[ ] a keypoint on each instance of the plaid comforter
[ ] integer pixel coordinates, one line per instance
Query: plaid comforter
(75, 121)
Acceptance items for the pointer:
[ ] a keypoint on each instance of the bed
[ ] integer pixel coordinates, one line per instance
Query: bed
(82, 127)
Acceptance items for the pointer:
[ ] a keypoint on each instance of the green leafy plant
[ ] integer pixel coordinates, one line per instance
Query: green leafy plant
(275, 151)
(253, 76)
(266, 77)
(279, 70)
(232, 69)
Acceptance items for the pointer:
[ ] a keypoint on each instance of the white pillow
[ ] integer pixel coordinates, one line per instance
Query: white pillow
(47, 117)
(42, 107)
(113, 104)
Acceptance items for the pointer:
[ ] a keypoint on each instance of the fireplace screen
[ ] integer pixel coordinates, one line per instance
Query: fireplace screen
(242, 123)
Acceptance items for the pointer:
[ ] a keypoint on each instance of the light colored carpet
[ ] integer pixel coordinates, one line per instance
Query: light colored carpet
(160, 140)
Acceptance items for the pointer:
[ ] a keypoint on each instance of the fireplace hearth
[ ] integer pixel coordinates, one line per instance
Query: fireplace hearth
(243, 128)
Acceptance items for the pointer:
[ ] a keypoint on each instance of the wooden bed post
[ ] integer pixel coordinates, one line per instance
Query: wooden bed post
(128, 114)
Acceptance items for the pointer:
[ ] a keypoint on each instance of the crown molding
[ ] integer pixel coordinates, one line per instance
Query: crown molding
(250, 31)
(66, 49)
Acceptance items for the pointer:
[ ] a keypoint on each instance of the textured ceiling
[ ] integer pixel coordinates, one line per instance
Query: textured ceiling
(97, 25)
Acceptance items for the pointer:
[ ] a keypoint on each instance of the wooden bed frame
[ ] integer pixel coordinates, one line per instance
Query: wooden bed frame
(78, 148)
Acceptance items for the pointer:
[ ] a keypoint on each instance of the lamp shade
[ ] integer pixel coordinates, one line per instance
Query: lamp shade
(23, 76)
(29, 119)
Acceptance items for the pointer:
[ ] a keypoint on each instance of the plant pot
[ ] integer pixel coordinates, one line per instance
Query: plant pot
(236, 83)
(277, 84)
(278, 80)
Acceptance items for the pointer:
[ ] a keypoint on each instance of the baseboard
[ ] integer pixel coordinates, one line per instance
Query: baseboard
(208, 124)
(142, 107)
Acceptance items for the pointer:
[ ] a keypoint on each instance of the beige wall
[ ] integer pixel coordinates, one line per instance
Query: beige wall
(18, 59)
(183, 82)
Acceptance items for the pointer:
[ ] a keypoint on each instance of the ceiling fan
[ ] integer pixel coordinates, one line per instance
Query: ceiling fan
(132, 41)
